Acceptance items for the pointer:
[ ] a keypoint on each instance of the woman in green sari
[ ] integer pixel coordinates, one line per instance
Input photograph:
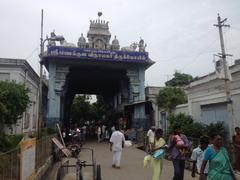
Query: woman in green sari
(219, 163)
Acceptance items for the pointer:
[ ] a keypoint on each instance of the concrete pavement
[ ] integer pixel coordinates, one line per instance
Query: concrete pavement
(131, 165)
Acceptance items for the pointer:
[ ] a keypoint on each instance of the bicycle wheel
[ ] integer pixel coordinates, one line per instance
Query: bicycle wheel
(98, 173)
(80, 178)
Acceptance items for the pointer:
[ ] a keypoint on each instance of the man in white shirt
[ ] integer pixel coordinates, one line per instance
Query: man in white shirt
(150, 137)
(197, 156)
(117, 142)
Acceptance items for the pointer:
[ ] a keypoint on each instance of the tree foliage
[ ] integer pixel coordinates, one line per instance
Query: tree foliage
(14, 100)
(186, 122)
(194, 129)
(169, 97)
(80, 109)
(179, 79)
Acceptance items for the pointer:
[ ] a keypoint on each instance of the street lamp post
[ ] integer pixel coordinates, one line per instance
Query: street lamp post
(42, 42)
(55, 38)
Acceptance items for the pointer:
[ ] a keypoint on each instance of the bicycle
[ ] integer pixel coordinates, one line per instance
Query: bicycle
(80, 164)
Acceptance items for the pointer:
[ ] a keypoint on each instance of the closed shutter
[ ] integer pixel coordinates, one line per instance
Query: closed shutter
(214, 113)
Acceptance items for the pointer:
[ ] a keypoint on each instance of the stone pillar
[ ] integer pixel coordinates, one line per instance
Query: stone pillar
(141, 84)
(133, 85)
(137, 95)
(57, 77)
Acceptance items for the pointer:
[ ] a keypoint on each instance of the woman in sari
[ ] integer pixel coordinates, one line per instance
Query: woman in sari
(157, 163)
(219, 163)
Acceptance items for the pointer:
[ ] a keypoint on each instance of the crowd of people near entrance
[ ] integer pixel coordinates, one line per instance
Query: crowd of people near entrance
(210, 160)
(79, 134)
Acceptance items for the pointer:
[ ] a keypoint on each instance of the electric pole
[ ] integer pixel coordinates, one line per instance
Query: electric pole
(223, 56)
(40, 116)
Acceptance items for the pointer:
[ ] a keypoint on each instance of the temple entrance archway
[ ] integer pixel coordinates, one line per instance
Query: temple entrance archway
(96, 67)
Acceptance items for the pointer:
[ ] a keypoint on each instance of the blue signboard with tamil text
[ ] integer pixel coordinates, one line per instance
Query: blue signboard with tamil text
(97, 54)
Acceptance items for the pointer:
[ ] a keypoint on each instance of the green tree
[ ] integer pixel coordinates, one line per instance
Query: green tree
(80, 109)
(192, 128)
(179, 79)
(169, 97)
(14, 100)
(215, 128)
(187, 124)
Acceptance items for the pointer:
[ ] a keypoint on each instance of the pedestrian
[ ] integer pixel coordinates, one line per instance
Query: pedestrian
(84, 133)
(178, 152)
(64, 135)
(219, 164)
(112, 130)
(150, 137)
(157, 163)
(197, 156)
(117, 142)
(236, 144)
(99, 133)
(107, 133)
(103, 131)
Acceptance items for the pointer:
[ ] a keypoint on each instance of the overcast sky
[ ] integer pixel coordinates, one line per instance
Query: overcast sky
(179, 33)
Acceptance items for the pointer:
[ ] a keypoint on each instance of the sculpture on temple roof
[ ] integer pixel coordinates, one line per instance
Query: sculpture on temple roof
(50, 42)
(132, 47)
(141, 45)
(67, 44)
(99, 35)
(115, 44)
(82, 42)
(99, 14)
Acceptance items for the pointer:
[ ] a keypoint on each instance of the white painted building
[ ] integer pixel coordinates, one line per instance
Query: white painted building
(159, 115)
(20, 71)
(208, 103)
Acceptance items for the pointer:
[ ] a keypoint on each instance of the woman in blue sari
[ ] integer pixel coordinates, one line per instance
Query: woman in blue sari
(219, 163)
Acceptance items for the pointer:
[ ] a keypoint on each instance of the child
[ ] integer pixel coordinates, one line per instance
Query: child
(178, 140)
(179, 143)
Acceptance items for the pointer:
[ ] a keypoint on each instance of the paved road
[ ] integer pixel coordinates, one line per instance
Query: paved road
(131, 166)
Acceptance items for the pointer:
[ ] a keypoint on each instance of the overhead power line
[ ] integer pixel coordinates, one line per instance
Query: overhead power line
(30, 55)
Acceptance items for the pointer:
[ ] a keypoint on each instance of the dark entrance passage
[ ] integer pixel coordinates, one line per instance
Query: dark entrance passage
(92, 80)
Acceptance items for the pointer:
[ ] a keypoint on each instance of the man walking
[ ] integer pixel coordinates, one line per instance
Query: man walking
(197, 156)
(117, 142)
(178, 151)
(150, 138)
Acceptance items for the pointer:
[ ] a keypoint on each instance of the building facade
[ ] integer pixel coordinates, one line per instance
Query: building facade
(20, 71)
(208, 102)
(159, 116)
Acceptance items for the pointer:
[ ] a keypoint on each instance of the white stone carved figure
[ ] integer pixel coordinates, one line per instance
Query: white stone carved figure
(141, 45)
(67, 44)
(132, 47)
(50, 42)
